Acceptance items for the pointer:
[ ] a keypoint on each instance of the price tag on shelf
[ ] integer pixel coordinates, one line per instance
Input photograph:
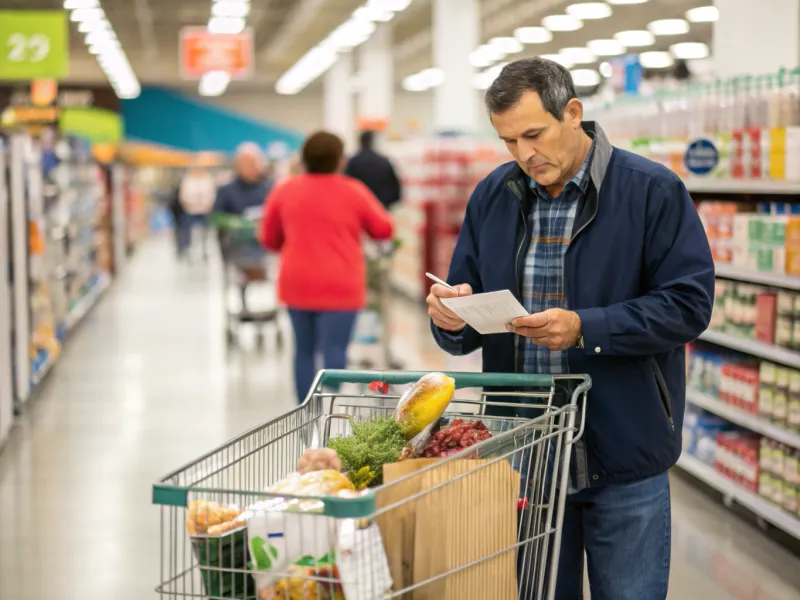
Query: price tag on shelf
(33, 44)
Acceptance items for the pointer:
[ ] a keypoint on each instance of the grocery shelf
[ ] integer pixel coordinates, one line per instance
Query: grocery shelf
(742, 418)
(753, 502)
(711, 185)
(790, 358)
(789, 282)
(87, 302)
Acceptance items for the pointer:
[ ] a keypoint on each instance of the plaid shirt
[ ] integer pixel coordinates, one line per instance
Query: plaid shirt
(550, 226)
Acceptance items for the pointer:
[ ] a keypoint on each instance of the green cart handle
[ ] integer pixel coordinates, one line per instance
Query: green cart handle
(463, 379)
(231, 222)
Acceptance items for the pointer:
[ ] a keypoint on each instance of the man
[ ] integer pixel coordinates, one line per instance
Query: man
(606, 252)
(375, 171)
(250, 186)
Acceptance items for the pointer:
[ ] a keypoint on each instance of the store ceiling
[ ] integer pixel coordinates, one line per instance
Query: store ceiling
(286, 29)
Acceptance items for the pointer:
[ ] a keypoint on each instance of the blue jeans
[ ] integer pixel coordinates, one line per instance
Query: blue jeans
(185, 226)
(626, 531)
(325, 333)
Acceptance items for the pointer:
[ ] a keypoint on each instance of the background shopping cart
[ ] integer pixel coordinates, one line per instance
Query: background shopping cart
(532, 456)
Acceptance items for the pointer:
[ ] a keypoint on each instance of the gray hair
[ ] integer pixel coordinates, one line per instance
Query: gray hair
(251, 149)
(547, 78)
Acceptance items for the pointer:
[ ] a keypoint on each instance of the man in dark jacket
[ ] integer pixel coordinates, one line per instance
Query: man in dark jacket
(606, 252)
(375, 171)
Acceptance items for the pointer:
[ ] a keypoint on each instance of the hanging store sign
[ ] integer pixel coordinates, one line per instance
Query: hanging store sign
(701, 157)
(203, 52)
(34, 44)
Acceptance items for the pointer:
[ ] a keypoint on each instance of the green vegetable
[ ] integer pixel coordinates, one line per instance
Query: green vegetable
(373, 444)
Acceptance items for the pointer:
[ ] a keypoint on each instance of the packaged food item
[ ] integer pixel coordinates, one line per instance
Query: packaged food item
(765, 316)
(454, 437)
(204, 517)
(780, 407)
(793, 415)
(424, 403)
(315, 483)
(766, 392)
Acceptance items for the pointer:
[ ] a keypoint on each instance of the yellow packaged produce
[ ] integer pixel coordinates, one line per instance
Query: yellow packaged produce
(424, 403)
(316, 483)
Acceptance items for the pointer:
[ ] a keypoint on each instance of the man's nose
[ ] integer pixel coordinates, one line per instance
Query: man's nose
(527, 150)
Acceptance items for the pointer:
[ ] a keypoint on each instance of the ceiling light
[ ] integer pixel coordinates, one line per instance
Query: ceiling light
(606, 47)
(505, 45)
(376, 15)
(226, 25)
(90, 26)
(606, 70)
(559, 58)
(585, 77)
(689, 50)
(626, 1)
(484, 79)
(230, 9)
(392, 5)
(424, 80)
(479, 59)
(655, 60)
(74, 4)
(80, 15)
(214, 83)
(668, 27)
(99, 37)
(703, 14)
(491, 53)
(636, 38)
(578, 56)
(589, 10)
(350, 34)
(561, 23)
(533, 35)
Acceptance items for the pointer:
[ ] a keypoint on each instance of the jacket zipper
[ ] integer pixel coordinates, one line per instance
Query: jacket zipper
(663, 392)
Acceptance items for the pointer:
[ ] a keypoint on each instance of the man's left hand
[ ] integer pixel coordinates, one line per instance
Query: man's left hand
(556, 329)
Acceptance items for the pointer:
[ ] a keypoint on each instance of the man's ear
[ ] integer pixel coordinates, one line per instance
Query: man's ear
(573, 113)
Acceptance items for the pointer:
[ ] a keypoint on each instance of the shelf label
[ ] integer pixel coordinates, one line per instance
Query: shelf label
(701, 157)
(33, 44)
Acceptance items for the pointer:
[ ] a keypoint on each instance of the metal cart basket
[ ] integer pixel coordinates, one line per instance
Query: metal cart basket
(499, 552)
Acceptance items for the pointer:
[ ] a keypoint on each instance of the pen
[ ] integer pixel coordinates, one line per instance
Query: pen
(439, 281)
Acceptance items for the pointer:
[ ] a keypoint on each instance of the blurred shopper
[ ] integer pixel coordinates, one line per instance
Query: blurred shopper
(375, 171)
(197, 193)
(176, 210)
(250, 186)
(317, 220)
(606, 251)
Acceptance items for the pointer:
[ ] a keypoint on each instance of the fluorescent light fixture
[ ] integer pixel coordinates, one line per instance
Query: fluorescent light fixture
(214, 83)
(562, 23)
(80, 15)
(226, 25)
(626, 1)
(489, 53)
(350, 34)
(424, 80)
(230, 9)
(606, 47)
(578, 56)
(585, 77)
(606, 70)
(484, 79)
(702, 14)
(392, 5)
(559, 58)
(533, 35)
(656, 60)
(90, 26)
(668, 27)
(100, 37)
(505, 45)
(589, 10)
(375, 15)
(479, 59)
(689, 50)
(636, 38)
(75, 4)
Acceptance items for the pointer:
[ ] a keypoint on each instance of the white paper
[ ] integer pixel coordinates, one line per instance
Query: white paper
(487, 313)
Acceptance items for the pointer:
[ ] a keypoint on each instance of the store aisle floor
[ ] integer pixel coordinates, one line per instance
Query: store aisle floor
(146, 384)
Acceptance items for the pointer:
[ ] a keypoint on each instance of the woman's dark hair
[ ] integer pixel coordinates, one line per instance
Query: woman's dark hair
(322, 152)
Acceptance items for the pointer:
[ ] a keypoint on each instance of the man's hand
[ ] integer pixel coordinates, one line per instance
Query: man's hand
(443, 317)
(318, 460)
(555, 329)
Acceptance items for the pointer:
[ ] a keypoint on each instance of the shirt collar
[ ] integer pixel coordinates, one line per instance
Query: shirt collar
(580, 179)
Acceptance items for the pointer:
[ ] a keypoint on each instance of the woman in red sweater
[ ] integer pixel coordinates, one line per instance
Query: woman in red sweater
(317, 221)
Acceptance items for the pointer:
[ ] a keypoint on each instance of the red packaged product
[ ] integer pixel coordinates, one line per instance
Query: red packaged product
(766, 309)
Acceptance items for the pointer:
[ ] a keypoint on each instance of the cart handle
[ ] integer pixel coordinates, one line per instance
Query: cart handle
(463, 379)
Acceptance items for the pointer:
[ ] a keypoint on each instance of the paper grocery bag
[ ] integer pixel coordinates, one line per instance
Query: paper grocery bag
(450, 526)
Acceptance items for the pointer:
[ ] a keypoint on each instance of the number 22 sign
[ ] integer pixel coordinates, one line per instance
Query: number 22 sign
(33, 44)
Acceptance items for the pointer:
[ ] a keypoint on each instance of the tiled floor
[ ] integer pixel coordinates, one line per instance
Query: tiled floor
(147, 384)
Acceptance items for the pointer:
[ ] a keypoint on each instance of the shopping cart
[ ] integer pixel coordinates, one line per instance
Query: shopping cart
(498, 552)
(243, 262)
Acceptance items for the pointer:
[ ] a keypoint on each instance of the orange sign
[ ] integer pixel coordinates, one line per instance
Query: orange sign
(44, 91)
(202, 52)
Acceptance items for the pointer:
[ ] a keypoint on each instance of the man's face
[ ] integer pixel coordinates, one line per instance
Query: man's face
(248, 167)
(546, 148)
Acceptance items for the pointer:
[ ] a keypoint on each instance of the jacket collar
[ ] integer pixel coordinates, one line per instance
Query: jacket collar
(602, 157)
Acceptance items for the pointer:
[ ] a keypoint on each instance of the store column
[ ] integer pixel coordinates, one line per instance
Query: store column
(338, 100)
(375, 79)
(456, 34)
(740, 47)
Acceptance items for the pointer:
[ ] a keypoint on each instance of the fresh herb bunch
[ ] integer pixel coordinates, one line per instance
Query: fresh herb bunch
(373, 444)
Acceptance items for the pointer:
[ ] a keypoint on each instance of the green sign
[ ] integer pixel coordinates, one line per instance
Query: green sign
(34, 44)
(97, 125)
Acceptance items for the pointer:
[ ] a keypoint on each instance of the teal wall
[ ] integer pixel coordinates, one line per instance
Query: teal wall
(168, 118)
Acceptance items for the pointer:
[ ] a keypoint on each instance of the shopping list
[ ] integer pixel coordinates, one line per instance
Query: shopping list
(487, 313)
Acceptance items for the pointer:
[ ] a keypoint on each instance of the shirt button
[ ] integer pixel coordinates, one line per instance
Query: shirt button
(597, 350)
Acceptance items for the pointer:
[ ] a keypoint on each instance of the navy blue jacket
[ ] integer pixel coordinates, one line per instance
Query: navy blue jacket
(638, 272)
(239, 196)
